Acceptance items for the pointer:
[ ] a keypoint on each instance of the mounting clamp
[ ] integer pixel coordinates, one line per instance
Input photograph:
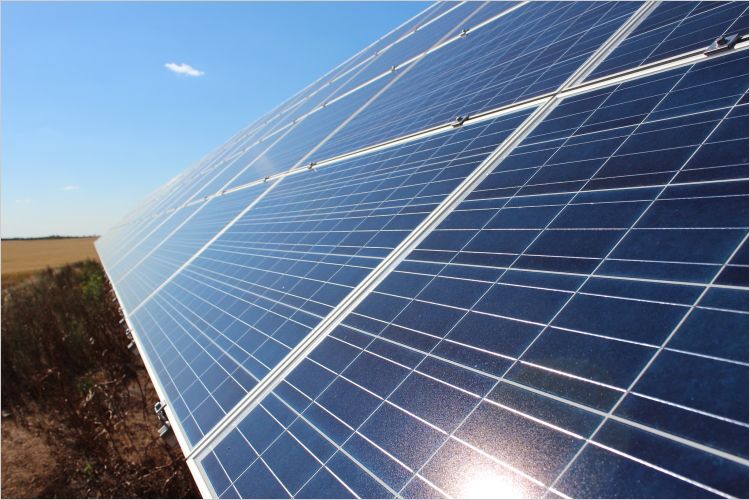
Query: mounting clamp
(724, 42)
(459, 121)
(464, 33)
(393, 68)
(165, 431)
(159, 409)
(168, 435)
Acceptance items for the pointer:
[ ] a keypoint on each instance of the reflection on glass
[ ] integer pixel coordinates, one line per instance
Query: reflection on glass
(489, 484)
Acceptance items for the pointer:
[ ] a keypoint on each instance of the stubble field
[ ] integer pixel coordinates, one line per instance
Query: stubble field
(22, 258)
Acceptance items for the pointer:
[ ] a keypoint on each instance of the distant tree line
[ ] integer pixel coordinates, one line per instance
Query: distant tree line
(50, 237)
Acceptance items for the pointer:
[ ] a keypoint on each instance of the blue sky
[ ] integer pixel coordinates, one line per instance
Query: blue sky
(93, 121)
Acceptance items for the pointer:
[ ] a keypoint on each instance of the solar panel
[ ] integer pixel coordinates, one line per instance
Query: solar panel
(281, 268)
(674, 28)
(362, 296)
(140, 274)
(520, 55)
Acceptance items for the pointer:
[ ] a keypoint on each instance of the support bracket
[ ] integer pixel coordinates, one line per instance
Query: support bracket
(724, 42)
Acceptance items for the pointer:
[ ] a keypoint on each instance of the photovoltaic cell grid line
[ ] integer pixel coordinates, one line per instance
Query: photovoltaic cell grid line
(234, 312)
(142, 273)
(576, 326)
(675, 28)
(526, 53)
(442, 85)
(614, 238)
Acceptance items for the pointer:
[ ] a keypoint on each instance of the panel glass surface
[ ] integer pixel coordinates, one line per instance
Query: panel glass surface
(295, 144)
(577, 326)
(143, 239)
(437, 30)
(230, 316)
(168, 248)
(674, 28)
(529, 51)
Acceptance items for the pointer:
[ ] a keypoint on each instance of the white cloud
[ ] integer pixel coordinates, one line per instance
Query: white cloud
(71, 188)
(183, 69)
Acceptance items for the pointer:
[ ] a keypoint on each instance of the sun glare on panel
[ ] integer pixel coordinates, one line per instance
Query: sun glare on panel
(489, 484)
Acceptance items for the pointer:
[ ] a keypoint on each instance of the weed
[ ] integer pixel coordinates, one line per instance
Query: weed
(65, 356)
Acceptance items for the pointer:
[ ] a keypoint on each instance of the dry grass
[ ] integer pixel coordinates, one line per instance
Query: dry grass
(22, 258)
(77, 404)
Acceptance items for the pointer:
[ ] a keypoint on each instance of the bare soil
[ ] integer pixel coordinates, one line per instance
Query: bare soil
(77, 405)
(28, 463)
(40, 459)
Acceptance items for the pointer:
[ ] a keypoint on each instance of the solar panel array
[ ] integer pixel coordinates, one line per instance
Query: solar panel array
(361, 295)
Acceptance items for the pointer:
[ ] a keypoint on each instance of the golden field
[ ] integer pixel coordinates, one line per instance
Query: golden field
(21, 258)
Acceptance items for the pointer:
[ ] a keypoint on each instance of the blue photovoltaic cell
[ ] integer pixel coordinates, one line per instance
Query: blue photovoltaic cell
(144, 239)
(173, 243)
(339, 81)
(298, 141)
(462, 15)
(578, 325)
(233, 313)
(523, 54)
(675, 28)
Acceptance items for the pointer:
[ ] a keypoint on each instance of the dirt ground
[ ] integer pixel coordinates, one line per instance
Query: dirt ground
(21, 258)
(78, 418)
(38, 462)
(28, 465)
